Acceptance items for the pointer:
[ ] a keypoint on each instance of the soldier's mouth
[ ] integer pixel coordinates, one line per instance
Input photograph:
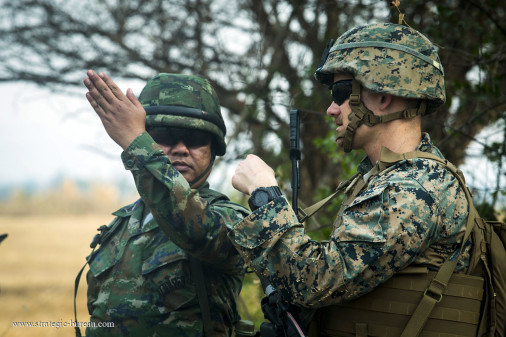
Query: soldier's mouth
(181, 166)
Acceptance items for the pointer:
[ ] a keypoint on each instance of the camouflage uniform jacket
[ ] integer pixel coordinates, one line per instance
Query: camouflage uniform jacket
(139, 277)
(413, 212)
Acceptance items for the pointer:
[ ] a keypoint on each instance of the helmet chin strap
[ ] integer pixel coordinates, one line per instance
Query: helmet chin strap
(361, 115)
(209, 167)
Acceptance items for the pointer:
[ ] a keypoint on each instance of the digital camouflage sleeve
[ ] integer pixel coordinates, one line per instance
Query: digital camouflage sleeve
(412, 212)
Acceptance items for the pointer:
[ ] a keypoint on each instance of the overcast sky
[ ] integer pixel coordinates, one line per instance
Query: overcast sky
(45, 135)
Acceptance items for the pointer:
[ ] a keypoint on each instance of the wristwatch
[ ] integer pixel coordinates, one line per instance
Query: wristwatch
(262, 196)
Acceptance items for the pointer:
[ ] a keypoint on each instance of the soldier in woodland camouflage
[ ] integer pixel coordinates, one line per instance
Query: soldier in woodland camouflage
(142, 277)
(383, 78)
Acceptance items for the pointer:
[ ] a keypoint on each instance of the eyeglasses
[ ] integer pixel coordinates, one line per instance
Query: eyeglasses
(341, 91)
(171, 136)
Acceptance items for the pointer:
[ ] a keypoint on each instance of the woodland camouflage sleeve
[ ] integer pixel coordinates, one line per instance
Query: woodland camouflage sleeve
(190, 221)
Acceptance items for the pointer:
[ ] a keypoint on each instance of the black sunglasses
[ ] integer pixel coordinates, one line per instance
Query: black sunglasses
(171, 136)
(341, 91)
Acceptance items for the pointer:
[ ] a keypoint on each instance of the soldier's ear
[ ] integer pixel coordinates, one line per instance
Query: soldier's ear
(385, 101)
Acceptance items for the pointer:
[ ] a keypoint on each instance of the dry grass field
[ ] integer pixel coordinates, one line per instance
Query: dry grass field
(39, 261)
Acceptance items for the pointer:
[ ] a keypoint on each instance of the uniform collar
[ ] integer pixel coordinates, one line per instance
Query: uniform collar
(425, 145)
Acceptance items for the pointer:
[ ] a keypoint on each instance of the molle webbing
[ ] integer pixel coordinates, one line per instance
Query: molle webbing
(385, 311)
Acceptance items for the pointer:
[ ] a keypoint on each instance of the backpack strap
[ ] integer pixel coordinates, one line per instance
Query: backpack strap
(198, 276)
(351, 187)
(76, 286)
(196, 267)
(308, 212)
(389, 157)
(434, 292)
(197, 270)
(105, 233)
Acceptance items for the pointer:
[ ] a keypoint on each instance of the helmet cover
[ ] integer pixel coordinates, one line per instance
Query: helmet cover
(388, 58)
(184, 101)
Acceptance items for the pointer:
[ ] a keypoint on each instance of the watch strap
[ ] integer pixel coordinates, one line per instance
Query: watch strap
(272, 191)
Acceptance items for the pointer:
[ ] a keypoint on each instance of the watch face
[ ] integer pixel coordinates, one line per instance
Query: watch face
(260, 198)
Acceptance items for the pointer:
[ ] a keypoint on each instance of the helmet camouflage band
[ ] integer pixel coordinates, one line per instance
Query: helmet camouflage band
(388, 58)
(184, 101)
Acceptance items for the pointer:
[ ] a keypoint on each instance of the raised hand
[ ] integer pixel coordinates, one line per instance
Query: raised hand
(122, 115)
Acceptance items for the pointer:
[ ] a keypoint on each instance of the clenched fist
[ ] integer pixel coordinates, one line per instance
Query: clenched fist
(252, 173)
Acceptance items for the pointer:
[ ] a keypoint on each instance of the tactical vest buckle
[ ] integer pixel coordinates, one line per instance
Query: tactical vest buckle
(433, 295)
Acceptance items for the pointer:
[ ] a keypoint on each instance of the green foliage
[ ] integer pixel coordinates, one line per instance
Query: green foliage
(249, 300)
(474, 67)
(486, 211)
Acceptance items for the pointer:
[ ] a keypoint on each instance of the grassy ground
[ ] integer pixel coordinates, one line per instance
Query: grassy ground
(39, 261)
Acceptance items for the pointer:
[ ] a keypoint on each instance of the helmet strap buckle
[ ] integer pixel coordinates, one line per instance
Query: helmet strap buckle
(355, 93)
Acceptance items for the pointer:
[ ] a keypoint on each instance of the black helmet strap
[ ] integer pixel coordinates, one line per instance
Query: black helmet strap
(209, 167)
(177, 110)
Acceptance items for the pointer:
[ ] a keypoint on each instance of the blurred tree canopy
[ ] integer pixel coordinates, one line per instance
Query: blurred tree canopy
(261, 55)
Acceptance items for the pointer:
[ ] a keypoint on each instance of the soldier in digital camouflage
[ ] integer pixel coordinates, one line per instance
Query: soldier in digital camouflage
(166, 255)
(383, 78)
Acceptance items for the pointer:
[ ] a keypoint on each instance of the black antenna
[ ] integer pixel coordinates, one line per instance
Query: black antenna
(295, 156)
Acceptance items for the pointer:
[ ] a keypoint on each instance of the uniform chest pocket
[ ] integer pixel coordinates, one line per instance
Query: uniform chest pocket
(106, 257)
(363, 218)
(110, 249)
(167, 272)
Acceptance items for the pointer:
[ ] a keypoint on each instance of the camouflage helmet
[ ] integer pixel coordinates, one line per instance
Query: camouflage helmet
(388, 58)
(184, 101)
